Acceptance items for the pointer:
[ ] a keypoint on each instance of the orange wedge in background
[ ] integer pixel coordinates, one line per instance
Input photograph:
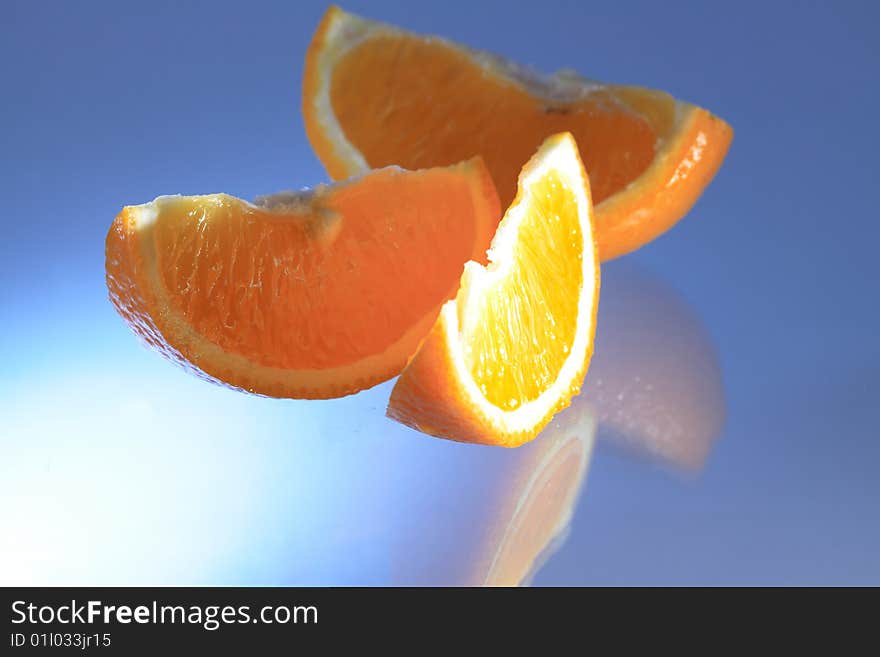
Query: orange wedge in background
(512, 348)
(655, 383)
(309, 295)
(375, 95)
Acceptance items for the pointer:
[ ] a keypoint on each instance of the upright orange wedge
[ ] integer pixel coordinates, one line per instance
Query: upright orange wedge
(375, 95)
(512, 348)
(311, 295)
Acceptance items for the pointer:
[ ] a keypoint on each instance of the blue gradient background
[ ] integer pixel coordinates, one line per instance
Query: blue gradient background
(116, 467)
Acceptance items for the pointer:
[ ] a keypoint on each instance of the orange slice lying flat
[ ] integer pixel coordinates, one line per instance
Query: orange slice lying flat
(375, 95)
(311, 295)
(512, 348)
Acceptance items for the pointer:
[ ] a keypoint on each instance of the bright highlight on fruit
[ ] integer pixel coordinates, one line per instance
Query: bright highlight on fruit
(512, 348)
(375, 95)
(309, 295)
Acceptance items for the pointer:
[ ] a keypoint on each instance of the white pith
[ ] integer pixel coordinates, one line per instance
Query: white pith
(561, 156)
(342, 36)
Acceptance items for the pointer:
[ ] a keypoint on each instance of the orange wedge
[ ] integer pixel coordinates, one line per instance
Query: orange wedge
(512, 348)
(375, 95)
(310, 295)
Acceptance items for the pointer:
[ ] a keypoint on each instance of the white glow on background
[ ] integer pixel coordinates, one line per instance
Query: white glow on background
(118, 468)
(120, 478)
(106, 482)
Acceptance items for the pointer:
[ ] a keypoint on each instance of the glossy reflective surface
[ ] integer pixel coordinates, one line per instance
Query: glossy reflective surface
(193, 487)
(726, 432)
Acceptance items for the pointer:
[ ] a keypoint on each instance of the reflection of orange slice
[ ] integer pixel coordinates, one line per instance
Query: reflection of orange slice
(539, 502)
(655, 383)
(375, 95)
(512, 348)
(316, 294)
(507, 512)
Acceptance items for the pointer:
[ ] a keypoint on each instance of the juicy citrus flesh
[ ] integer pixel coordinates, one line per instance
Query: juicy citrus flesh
(305, 283)
(256, 283)
(374, 94)
(513, 347)
(465, 113)
(518, 335)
